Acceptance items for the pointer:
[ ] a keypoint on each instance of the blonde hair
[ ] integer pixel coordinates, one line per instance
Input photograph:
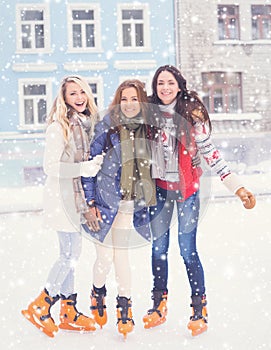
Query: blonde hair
(60, 111)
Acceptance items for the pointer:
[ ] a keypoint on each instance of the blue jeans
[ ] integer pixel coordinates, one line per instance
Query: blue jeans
(188, 214)
(61, 275)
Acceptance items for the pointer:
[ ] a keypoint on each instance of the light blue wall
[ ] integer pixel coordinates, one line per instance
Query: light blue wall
(161, 22)
(21, 150)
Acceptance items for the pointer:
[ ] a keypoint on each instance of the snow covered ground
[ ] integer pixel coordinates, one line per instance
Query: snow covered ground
(234, 245)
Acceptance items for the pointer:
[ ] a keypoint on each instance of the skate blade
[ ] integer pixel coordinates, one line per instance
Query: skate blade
(100, 324)
(71, 327)
(148, 325)
(124, 336)
(31, 319)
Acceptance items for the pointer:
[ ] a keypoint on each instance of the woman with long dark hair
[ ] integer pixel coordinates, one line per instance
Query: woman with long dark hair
(183, 128)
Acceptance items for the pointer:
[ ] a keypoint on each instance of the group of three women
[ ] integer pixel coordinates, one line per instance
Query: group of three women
(142, 160)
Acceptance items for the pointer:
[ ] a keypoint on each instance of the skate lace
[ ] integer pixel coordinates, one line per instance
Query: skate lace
(151, 311)
(99, 304)
(198, 311)
(51, 302)
(77, 313)
(157, 299)
(124, 313)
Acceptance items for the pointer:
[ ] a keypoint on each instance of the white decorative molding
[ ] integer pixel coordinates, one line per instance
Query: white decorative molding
(85, 66)
(235, 116)
(225, 64)
(15, 135)
(243, 42)
(34, 67)
(135, 64)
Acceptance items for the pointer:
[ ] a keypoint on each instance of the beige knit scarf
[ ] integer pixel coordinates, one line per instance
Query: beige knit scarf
(81, 140)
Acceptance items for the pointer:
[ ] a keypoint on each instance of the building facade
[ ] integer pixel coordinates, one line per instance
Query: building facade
(105, 41)
(223, 48)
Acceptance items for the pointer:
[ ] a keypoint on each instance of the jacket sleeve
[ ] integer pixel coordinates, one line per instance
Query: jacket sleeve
(209, 151)
(97, 146)
(54, 148)
(214, 159)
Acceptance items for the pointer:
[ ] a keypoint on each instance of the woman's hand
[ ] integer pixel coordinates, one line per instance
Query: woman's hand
(90, 168)
(93, 217)
(197, 115)
(248, 199)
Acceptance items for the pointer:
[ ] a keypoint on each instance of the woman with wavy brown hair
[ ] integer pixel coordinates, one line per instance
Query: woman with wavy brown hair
(119, 197)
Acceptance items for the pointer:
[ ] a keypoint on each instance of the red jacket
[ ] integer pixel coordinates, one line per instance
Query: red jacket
(189, 175)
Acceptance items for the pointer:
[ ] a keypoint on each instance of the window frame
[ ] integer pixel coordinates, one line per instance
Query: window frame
(146, 27)
(143, 78)
(45, 21)
(259, 30)
(99, 95)
(227, 23)
(97, 27)
(22, 97)
(226, 89)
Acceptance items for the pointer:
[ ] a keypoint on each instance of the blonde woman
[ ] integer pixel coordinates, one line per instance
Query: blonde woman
(70, 126)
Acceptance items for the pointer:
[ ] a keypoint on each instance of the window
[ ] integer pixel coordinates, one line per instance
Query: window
(93, 87)
(34, 96)
(261, 22)
(222, 92)
(84, 27)
(228, 22)
(96, 85)
(133, 27)
(32, 28)
(146, 80)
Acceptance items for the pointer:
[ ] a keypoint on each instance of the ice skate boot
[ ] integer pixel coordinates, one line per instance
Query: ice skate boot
(198, 320)
(38, 313)
(71, 319)
(156, 315)
(124, 315)
(98, 307)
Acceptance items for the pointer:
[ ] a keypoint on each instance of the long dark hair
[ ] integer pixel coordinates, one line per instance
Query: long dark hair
(186, 101)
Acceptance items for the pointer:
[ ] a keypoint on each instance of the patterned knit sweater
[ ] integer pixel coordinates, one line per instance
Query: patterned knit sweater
(214, 159)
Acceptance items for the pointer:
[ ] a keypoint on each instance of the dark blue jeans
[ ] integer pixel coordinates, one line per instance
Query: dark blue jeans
(161, 216)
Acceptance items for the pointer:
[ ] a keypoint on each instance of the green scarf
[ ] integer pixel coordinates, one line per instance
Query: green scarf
(136, 181)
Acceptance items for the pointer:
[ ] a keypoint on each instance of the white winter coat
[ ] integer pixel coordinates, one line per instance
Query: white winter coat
(60, 212)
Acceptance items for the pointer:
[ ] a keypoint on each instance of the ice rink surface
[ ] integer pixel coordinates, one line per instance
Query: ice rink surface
(235, 248)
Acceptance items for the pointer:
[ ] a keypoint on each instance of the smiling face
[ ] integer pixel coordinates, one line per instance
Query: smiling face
(76, 97)
(167, 87)
(129, 103)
